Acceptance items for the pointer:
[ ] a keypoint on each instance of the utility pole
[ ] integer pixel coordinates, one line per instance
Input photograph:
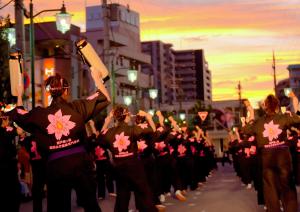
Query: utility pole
(274, 73)
(20, 32)
(239, 88)
(106, 48)
(106, 26)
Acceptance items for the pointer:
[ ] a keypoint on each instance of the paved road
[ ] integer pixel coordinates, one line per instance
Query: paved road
(223, 192)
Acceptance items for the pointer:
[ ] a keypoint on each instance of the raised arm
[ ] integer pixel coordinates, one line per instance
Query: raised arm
(99, 83)
(295, 101)
(174, 123)
(161, 118)
(149, 119)
(107, 121)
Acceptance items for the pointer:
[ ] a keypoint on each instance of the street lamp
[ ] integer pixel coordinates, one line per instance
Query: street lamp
(151, 112)
(131, 76)
(153, 93)
(182, 116)
(127, 100)
(63, 23)
(9, 31)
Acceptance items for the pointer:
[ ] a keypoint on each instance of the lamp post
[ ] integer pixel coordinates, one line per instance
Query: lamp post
(63, 24)
(127, 100)
(182, 116)
(131, 76)
(153, 93)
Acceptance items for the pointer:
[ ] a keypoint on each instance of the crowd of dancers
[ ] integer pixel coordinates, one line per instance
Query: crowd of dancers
(151, 156)
(265, 152)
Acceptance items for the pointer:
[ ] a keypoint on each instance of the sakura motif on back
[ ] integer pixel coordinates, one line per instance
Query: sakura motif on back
(143, 125)
(142, 145)
(272, 131)
(121, 142)
(99, 152)
(181, 149)
(60, 125)
(160, 146)
(160, 129)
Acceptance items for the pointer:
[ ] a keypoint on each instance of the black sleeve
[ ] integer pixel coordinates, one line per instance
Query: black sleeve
(139, 131)
(23, 118)
(91, 106)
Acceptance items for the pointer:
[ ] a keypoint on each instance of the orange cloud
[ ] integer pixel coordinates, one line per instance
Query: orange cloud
(238, 36)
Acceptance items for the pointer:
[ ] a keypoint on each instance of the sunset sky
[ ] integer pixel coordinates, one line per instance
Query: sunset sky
(238, 36)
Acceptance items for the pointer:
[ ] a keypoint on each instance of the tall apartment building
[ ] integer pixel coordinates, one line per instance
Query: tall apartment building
(192, 76)
(125, 49)
(294, 77)
(182, 77)
(163, 69)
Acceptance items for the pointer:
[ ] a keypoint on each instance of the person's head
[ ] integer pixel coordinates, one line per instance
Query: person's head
(184, 127)
(140, 119)
(121, 114)
(271, 104)
(57, 86)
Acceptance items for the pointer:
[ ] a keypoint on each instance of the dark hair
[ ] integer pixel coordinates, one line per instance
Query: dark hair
(56, 85)
(271, 104)
(120, 113)
(140, 119)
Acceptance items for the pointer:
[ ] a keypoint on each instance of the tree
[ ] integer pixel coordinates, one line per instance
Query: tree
(5, 94)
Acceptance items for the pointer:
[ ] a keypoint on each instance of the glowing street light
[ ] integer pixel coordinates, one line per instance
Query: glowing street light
(127, 100)
(132, 75)
(182, 116)
(151, 112)
(153, 93)
(63, 20)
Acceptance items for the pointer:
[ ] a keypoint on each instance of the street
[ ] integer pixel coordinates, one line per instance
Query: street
(223, 192)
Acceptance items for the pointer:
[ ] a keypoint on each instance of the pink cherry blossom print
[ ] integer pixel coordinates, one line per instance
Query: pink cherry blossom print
(95, 95)
(21, 111)
(60, 125)
(99, 152)
(143, 125)
(173, 133)
(193, 149)
(272, 131)
(160, 129)
(179, 136)
(247, 152)
(251, 139)
(9, 129)
(192, 139)
(253, 150)
(142, 145)
(33, 149)
(171, 150)
(181, 149)
(121, 142)
(160, 146)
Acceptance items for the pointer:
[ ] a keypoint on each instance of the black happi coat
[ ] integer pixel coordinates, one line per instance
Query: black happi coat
(122, 139)
(61, 125)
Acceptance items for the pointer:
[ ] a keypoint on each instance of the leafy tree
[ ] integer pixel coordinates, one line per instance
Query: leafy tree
(5, 94)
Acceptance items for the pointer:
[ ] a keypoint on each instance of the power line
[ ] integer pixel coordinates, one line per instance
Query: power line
(6, 4)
